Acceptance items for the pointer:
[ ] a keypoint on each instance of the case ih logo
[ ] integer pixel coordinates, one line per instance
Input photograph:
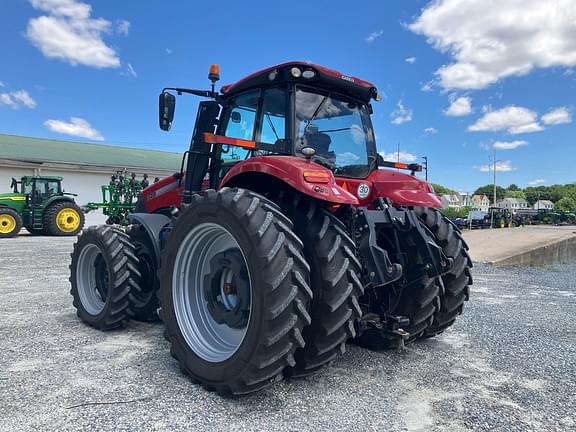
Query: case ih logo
(347, 78)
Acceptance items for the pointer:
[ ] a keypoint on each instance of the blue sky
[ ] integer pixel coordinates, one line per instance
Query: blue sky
(460, 77)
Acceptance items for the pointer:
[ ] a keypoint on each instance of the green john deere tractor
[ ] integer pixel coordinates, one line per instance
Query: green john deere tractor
(41, 207)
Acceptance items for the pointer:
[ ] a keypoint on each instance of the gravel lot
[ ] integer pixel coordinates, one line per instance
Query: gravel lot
(508, 364)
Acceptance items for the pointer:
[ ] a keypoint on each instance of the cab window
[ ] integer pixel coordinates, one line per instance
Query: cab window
(242, 116)
(273, 119)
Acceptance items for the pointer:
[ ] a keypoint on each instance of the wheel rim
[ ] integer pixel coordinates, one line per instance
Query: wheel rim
(92, 279)
(68, 220)
(7, 224)
(195, 284)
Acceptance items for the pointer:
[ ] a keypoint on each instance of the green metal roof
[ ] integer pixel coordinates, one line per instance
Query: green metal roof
(27, 149)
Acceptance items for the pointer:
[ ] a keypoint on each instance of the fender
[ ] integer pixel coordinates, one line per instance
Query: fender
(400, 188)
(57, 199)
(153, 224)
(302, 175)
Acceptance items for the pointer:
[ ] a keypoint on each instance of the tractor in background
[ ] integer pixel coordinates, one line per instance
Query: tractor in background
(41, 206)
(282, 237)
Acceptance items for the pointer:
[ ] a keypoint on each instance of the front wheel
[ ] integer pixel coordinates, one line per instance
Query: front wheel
(103, 277)
(10, 222)
(234, 291)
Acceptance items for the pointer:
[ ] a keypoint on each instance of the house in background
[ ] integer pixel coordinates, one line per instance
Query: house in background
(451, 201)
(543, 205)
(480, 203)
(465, 199)
(513, 204)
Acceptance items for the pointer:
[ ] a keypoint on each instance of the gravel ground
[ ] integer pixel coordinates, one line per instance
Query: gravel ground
(508, 364)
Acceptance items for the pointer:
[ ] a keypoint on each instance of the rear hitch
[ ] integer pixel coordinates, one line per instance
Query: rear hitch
(383, 332)
(381, 270)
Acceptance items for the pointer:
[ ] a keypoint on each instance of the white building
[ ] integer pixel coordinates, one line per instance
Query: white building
(543, 205)
(513, 204)
(84, 167)
(451, 201)
(480, 203)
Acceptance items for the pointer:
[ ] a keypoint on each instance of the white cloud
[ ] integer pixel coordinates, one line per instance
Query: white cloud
(490, 41)
(123, 27)
(18, 99)
(130, 71)
(403, 156)
(512, 119)
(459, 107)
(75, 127)
(69, 33)
(502, 166)
(348, 157)
(428, 86)
(537, 182)
(411, 60)
(559, 115)
(401, 114)
(508, 145)
(1, 84)
(431, 130)
(374, 35)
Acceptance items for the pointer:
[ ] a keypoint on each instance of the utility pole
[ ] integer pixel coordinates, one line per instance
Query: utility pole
(494, 169)
(494, 191)
(426, 166)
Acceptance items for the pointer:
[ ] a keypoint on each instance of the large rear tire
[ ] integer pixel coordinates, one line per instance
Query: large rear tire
(146, 301)
(458, 279)
(10, 222)
(334, 281)
(63, 218)
(103, 277)
(234, 291)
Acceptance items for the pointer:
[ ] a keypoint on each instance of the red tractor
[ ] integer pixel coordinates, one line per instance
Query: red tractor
(281, 239)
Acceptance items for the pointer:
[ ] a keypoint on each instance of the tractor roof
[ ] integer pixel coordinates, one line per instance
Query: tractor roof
(53, 178)
(322, 77)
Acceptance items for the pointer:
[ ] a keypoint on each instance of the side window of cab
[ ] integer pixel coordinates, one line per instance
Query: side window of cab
(241, 122)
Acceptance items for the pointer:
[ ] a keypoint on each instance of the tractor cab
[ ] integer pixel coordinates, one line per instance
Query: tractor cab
(38, 190)
(289, 108)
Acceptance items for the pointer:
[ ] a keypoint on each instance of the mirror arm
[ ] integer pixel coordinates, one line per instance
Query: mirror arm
(202, 93)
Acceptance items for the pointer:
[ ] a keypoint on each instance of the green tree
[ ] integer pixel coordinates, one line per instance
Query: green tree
(513, 187)
(488, 190)
(567, 204)
(515, 194)
(441, 190)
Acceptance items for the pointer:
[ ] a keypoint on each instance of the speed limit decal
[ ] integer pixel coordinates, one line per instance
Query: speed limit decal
(363, 191)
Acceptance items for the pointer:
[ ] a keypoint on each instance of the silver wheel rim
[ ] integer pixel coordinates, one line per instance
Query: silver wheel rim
(208, 339)
(86, 280)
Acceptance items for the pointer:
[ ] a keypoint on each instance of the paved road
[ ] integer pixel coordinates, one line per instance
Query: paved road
(490, 245)
(508, 365)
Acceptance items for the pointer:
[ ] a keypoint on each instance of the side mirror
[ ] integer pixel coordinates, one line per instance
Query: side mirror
(166, 106)
(235, 117)
(379, 160)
